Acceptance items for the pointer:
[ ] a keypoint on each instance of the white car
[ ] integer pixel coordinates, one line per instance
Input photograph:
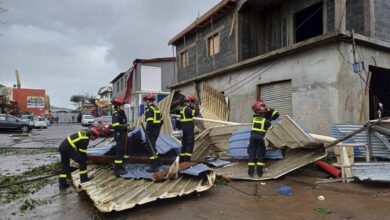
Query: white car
(39, 122)
(87, 120)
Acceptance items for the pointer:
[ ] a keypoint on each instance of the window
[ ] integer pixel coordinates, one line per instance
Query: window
(122, 83)
(117, 86)
(12, 119)
(308, 22)
(213, 44)
(184, 61)
(2, 117)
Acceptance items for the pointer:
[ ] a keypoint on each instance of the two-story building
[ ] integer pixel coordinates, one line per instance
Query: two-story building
(144, 76)
(319, 61)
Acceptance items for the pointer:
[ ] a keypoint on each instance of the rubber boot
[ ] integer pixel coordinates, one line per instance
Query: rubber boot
(259, 171)
(120, 170)
(63, 184)
(84, 178)
(251, 170)
(154, 166)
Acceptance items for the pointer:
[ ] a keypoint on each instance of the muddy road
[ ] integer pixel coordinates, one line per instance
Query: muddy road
(33, 156)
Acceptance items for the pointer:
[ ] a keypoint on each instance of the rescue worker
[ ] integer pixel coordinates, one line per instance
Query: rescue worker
(256, 149)
(187, 112)
(75, 147)
(270, 114)
(154, 122)
(119, 123)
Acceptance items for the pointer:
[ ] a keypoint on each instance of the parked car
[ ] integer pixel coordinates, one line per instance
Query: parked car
(28, 118)
(9, 122)
(104, 124)
(87, 120)
(40, 122)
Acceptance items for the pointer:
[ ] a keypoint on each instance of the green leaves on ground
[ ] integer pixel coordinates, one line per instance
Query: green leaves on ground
(323, 210)
(12, 187)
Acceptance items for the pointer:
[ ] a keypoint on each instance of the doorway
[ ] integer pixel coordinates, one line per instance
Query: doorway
(379, 92)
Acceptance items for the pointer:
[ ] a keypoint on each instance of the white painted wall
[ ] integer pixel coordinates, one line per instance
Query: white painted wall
(150, 78)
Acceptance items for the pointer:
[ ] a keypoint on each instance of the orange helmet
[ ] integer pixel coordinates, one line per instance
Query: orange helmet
(118, 101)
(94, 132)
(190, 98)
(149, 96)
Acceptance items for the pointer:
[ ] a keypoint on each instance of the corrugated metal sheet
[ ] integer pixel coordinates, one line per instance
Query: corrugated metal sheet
(213, 106)
(379, 149)
(289, 134)
(278, 95)
(139, 171)
(238, 145)
(214, 141)
(196, 170)
(379, 171)
(293, 159)
(164, 144)
(110, 193)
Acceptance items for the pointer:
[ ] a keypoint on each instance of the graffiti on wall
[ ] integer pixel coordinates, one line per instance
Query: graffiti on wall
(353, 101)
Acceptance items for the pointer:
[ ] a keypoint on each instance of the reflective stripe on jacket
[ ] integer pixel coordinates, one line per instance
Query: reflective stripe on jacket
(74, 139)
(155, 117)
(185, 117)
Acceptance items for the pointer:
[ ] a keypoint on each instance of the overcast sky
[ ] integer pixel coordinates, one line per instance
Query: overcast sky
(77, 46)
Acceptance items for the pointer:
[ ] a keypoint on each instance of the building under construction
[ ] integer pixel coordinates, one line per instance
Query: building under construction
(321, 62)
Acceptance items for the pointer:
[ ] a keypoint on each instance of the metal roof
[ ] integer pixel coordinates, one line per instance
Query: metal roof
(378, 147)
(117, 77)
(110, 193)
(289, 134)
(238, 145)
(293, 159)
(379, 171)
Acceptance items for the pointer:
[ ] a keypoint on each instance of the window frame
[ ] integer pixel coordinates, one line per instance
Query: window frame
(211, 42)
(184, 56)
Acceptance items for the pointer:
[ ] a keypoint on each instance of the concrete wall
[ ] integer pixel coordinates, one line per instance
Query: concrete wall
(382, 20)
(352, 88)
(325, 88)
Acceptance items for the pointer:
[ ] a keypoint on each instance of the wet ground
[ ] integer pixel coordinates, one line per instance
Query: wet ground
(235, 200)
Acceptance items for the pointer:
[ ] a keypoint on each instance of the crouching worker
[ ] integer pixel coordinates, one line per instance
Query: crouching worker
(75, 147)
(256, 148)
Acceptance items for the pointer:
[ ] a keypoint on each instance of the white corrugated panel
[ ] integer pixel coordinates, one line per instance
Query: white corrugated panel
(278, 96)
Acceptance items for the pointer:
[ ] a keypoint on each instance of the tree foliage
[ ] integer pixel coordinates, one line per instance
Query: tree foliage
(80, 99)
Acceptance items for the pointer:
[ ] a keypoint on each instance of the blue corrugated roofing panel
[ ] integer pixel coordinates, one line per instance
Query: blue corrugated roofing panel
(238, 145)
(372, 171)
(379, 149)
(101, 150)
(216, 162)
(164, 143)
(196, 169)
(138, 171)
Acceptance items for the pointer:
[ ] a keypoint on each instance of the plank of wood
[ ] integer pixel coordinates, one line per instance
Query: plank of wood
(161, 175)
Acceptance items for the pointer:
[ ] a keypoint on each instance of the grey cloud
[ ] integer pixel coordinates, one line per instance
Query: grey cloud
(70, 47)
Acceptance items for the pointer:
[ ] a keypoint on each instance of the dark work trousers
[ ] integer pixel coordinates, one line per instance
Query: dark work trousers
(187, 141)
(152, 132)
(256, 149)
(67, 153)
(120, 147)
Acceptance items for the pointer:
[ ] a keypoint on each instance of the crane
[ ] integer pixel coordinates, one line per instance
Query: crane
(18, 85)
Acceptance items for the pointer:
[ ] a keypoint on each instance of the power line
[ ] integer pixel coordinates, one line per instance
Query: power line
(265, 70)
